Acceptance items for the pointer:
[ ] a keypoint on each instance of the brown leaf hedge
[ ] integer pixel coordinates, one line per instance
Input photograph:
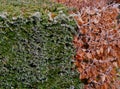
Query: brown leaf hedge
(97, 42)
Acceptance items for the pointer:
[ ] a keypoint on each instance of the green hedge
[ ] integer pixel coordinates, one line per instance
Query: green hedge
(36, 53)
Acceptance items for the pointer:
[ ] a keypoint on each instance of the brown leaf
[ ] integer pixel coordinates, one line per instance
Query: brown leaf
(89, 55)
(101, 50)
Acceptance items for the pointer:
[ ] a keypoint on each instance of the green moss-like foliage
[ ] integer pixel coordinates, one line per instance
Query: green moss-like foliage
(36, 53)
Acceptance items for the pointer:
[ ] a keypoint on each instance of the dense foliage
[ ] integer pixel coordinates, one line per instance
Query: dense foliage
(36, 49)
(37, 53)
(97, 42)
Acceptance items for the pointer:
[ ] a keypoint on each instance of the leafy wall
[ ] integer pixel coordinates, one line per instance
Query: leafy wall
(36, 53)
(97, 42)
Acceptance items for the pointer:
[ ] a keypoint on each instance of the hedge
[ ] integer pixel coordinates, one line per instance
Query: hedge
(36, 53)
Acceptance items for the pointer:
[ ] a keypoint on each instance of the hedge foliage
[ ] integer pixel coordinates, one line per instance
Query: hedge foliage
(97, 42)
(36, 53)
